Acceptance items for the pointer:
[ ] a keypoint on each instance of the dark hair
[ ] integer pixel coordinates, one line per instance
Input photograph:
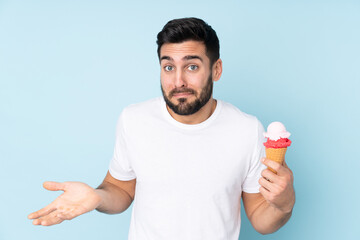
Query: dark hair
(183, 29)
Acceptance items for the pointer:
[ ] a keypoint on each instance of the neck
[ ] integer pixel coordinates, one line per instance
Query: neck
(204, 113)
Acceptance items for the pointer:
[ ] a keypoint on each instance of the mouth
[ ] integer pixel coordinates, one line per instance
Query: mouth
(182, 95)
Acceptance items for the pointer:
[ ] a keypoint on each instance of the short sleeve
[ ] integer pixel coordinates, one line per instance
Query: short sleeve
(120, 165)
(251, 182)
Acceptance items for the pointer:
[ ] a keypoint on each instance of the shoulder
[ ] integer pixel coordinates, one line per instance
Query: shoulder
(140, 113)
(142, 108)
(241, 124)
(234, 114)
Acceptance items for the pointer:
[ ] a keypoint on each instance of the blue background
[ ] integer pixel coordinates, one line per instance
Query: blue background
(68, 68)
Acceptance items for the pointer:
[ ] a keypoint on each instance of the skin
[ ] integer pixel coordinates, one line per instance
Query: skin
(186, 65)
(112, 196)
(183, 66)
(270, 209)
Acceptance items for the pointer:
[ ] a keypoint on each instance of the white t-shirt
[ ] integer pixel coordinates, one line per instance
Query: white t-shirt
(189, 178)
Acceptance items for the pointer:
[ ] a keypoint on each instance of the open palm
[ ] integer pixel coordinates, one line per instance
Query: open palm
(77, 198)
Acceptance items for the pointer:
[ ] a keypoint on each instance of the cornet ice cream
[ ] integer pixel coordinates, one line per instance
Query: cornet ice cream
(277, 142)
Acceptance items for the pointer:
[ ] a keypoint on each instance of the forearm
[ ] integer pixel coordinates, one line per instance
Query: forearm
(113, 199)
(267, 219)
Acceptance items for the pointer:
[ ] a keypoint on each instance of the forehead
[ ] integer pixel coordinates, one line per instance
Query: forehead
(179, 50)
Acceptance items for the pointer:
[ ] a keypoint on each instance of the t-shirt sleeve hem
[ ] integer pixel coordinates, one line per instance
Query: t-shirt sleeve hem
(251, 190)
(120, 177)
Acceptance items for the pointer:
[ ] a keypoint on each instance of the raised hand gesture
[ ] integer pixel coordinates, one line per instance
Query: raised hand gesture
(77, 198)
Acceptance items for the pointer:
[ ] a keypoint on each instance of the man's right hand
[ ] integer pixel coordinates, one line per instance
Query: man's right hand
(77, 198)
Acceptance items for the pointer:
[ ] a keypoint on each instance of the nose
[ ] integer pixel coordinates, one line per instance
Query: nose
(180, 79)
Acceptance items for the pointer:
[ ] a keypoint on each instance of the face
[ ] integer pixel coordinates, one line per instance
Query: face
(186, 76)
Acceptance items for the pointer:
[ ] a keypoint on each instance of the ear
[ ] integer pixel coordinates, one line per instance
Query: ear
(217, 70)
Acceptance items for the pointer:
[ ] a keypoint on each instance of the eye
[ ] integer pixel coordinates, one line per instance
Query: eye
(168, 68)
(193, 67)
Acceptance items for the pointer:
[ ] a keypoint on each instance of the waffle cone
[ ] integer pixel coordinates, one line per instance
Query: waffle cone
(275, 154)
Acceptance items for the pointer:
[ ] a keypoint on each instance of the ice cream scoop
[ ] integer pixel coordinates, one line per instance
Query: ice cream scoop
(276, 130)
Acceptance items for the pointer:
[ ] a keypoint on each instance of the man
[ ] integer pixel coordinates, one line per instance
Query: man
(186, 159)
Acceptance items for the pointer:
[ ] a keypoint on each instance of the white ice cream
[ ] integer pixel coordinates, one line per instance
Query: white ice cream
(276, 130)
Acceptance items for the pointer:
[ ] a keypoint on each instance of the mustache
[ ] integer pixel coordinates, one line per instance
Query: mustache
(181, 90)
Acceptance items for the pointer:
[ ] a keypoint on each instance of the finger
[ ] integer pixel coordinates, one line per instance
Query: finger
(63, 216)
(270, 175)
(264, 192)
(273, 165)
(68, 215)
(42, 212)
(54, 186)
(271, 187)
(285, 165)
(50, 219)
(265, 183)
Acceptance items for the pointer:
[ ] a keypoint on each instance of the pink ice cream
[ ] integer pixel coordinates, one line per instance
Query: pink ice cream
(277, 136)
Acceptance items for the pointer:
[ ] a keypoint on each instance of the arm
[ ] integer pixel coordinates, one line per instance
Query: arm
(112, 196)
(116, 195)
(270, 209)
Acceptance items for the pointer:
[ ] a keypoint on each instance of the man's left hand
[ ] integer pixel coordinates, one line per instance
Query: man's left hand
(277, 188)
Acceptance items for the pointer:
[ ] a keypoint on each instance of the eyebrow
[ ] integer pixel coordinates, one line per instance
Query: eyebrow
(186, 58)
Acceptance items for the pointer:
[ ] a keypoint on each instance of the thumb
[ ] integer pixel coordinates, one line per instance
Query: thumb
(284, 164)
(54, 186)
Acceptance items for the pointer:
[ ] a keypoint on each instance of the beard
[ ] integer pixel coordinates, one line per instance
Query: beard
(184, 107)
